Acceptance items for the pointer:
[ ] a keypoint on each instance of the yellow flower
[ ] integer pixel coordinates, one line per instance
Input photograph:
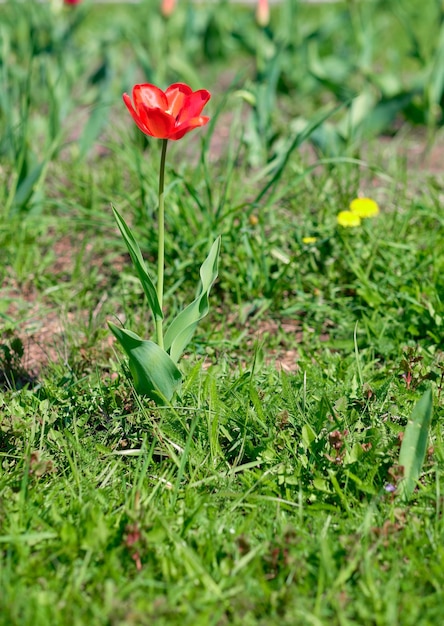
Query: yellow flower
(348, 219)
(308, 240)
(364, 207)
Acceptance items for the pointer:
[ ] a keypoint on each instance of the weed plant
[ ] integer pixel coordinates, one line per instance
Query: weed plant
(269, 492)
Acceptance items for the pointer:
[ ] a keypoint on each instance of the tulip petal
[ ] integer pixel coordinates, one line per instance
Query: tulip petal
(176, 95)
(193, 105)
(135, 116)
(184, 128)
(150, 96)
(158, 123)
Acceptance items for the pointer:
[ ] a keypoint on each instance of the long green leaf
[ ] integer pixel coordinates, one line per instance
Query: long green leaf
(277, 166)
(181, 329)
(26, 187)
(435, 88)
(414, 444)
(96, 122)
(154, 373)
(139, 265)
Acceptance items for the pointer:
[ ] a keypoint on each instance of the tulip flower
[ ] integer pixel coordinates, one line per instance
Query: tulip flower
(167, 7)
(263, 13)
(167, 114)
(72, 1)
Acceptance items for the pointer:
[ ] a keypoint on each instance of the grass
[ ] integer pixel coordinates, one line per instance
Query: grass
(269, 492)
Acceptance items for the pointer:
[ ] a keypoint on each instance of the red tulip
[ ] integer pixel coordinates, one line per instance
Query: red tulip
(72, 1)
(167, 7)
(167, 114)
(263, 13)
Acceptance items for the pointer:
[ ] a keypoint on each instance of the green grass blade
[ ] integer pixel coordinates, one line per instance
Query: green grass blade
(414, 444)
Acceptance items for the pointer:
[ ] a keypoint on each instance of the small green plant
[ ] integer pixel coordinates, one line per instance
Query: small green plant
(414, 444)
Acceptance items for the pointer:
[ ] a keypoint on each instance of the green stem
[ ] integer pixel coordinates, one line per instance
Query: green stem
(161, 239)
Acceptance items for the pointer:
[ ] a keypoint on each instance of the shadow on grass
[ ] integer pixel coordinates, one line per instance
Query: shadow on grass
(13, 375)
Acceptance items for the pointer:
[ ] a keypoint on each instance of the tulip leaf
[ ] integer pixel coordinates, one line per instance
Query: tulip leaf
(182, 328)
(139, 265)
(153, 371)
(414, 444)
(26, 186)
(93, 128)
(435, 87)
(276, 167)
